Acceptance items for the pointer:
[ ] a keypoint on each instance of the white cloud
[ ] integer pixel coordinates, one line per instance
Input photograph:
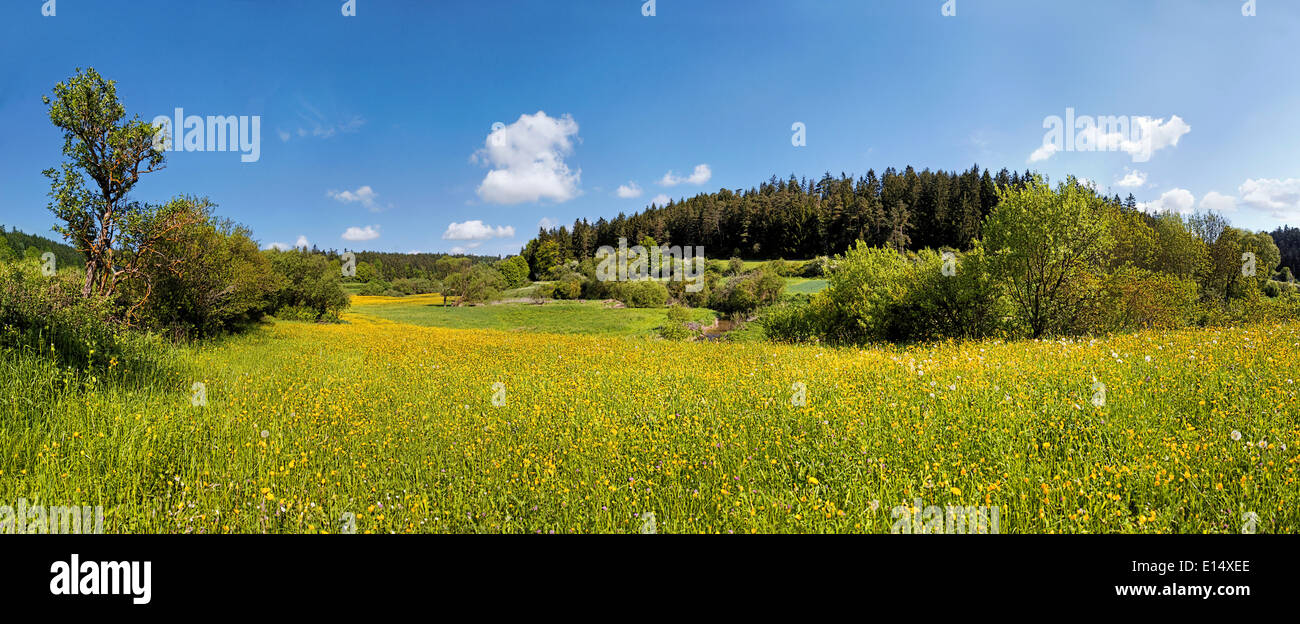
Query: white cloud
(1043, 153)
(1162, 134)
(370, 232)
(547, 223)
(365, 196)
(459, 249)
(1145, 136)
(1218, 202)
(1133, 179)
(527, 160)
(1180, 201)
(300, 243)
(476, 231)
(701, 175)
(629, 190)
(1148, 137)
(661, 200)
(1279, 198)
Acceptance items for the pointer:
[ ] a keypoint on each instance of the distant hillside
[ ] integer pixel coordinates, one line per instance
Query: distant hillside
(20, 241)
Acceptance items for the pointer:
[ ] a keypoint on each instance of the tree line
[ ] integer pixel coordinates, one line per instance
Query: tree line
(803, 218)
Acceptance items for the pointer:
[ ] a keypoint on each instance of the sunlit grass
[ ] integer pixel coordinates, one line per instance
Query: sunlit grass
(395, 424)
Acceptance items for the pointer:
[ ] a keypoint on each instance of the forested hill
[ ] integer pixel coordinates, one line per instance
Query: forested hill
(802, 218)
(19, 242)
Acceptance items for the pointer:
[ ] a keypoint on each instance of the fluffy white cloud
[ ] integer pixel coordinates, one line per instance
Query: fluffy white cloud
(547, 223)
(1279, 198)
(370, 232)
(365, 196)
(661, 200)
(1218, 202)
(1139, 137)
(629, 190)
(278, 246)
(527, 160)
(1133, 179)
(1180, 201)
(701, 175)
(476, 231)
(1043, 153)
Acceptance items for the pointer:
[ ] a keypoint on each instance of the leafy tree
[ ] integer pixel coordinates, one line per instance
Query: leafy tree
(515, 271)
(101, 145)
(480, 283)
(1039, 240)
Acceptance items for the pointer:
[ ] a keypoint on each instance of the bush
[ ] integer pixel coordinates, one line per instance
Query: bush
(747, 292)
(780, 267)
(480, 283)
(307, 280)
(415, 286)
(791, 322)
(883, 295)
(675, 328)
(208, 278)
(47, 315)
(375, 289)
(1130, 299)
(640, 293)
(817, 267)
(514, 270)
(297, 313)
(568, 287)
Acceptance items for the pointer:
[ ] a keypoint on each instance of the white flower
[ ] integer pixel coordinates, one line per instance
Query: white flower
(1236, 435)
(1148, 359)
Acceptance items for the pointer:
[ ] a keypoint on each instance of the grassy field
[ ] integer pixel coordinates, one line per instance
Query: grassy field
(804, 286)
(555, 317)
(396, 427)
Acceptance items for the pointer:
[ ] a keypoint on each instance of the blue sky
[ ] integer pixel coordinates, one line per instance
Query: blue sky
(381, 124)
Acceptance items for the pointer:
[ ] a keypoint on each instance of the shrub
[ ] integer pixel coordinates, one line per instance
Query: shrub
(415, 286)
(480, 283)
(747, 292)
(675, 328)
(47, 315)
(515, 271)
(640, 293)
(207, 278)
(791, 322)
(817, 267)
(307, 280)
(375, 289)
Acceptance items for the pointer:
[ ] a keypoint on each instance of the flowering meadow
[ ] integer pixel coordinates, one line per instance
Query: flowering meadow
(377, 426)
